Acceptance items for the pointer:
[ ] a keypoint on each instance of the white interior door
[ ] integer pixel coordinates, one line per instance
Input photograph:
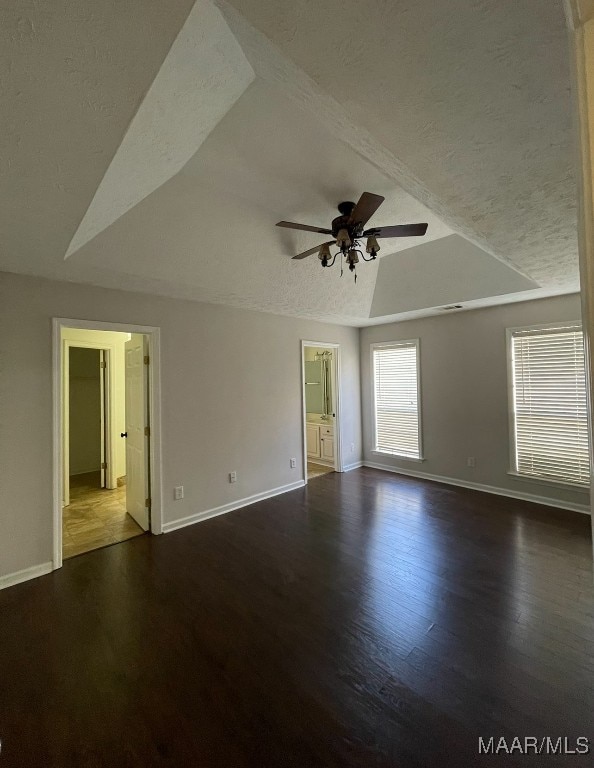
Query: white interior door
(137, 490)
(102, 396)
(334, 398)
(65, 424)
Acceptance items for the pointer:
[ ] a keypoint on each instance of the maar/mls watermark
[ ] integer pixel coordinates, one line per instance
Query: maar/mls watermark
(534, 745)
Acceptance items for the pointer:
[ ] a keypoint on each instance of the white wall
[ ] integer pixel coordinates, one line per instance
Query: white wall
(221, 410)
(85, 410)
(116, 342)
(464, 395)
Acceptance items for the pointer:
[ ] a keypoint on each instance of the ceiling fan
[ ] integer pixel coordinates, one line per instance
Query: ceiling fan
(348, 228)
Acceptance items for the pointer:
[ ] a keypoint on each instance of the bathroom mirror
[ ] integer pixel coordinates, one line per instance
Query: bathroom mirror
(318, 384)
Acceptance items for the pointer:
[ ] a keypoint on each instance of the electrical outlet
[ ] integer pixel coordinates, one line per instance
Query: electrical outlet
(293, 463)
(232, 477)
(178, 492)
(352, 447)
(470, 462)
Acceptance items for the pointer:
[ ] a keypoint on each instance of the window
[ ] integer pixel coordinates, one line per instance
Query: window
(550, 429)
(396, 398)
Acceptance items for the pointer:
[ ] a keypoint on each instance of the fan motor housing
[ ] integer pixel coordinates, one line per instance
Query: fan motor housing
(342, 221)
(346, 208)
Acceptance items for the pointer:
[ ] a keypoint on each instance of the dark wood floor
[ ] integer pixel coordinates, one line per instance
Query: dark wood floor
(367, 620)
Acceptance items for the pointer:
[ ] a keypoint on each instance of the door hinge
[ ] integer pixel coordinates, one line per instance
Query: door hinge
(103, 364)
(146, 359)
(147, 503)
(103, 465)
(147, 431)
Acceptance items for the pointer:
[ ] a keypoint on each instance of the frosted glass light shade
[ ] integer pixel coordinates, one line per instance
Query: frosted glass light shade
(343, 239)
(372, 245)
(324, 252)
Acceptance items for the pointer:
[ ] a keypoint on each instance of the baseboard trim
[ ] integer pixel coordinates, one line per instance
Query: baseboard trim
(354, 465)
(224, 508)
(520, 495)
(27, 573)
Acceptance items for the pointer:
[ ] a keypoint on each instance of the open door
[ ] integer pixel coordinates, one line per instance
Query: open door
(137, 432)
(103, 387)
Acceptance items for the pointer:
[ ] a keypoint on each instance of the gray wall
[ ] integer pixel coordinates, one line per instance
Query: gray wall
(464, 395)
(85, 411)
(231, 400)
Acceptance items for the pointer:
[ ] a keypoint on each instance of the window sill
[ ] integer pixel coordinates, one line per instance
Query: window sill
(398, 456)
(551, 483)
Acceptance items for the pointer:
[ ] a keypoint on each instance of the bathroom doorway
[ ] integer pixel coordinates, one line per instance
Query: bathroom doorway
(320, 366)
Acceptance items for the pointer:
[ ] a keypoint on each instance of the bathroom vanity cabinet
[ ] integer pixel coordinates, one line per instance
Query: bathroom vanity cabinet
(320, 442)
(313, 441)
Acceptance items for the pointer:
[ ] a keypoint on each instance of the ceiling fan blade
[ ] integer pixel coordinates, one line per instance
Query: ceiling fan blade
(304, 227)
(305, 254)
(365, 208)
(400, 230)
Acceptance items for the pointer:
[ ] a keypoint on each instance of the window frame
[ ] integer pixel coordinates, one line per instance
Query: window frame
(388, 345)
(512, 435)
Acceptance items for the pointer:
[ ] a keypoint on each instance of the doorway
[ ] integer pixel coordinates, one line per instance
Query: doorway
(106, 440)
(320, 408)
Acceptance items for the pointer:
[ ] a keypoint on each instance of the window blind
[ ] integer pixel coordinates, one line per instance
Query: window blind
(550, 411)
(397, 399)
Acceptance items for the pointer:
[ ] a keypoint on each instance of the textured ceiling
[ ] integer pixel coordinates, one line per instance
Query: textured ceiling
(473, 95)
(460, 272)
(72, 75)
(136, 145)
(177, 114)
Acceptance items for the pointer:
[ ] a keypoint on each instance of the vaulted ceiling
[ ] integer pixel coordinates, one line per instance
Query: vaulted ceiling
(154, 146)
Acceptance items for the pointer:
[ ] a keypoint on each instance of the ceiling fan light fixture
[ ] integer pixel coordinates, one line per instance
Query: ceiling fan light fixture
(372, 246)
(352, 258)
(348, 229)
(343, 240)
(324, 252)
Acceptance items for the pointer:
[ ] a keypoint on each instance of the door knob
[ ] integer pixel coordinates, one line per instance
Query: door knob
(123, 434)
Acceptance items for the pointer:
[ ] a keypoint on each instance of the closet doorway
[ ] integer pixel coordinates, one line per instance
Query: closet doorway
(105, 452)
(320, 371)
(105, 436)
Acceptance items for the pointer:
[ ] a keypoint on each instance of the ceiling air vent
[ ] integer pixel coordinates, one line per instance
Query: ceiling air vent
(450, 307)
